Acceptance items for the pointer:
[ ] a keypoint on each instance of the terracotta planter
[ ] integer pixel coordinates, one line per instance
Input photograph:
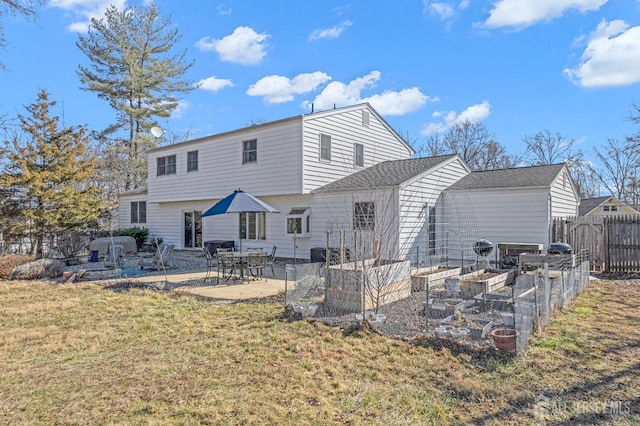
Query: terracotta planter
(505, 339)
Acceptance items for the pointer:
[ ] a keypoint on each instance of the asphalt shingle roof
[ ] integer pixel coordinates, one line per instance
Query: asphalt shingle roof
(588, 204)
(521, 177)
(385, 174)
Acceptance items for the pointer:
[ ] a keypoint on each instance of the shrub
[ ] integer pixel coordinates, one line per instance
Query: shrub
(7, 263)
(139, 234)
(38, 269)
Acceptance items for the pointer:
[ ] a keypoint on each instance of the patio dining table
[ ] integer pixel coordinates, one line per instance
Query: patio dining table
(241, 259)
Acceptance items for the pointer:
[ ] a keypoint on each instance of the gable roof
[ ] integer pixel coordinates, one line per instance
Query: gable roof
(518, 177)
(385, 174)
(302, 118)
(588, 204)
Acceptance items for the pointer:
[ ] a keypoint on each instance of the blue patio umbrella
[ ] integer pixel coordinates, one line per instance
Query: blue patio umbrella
(240, 202)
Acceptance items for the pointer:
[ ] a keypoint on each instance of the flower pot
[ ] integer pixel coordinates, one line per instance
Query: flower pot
(504, 339)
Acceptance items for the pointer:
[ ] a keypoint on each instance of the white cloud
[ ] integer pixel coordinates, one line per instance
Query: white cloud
(180, 110)
(223, 10)
(523, 13)
(444, 10)
(441, 9)
(82, 11)
(611, 58)
(329, 32)
(447, 119)
(386, 103)
(244, 46)
(213, 84)
(275, 89)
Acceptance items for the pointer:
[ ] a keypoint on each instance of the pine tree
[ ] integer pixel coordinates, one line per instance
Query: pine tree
(47, 180)
(132, 68)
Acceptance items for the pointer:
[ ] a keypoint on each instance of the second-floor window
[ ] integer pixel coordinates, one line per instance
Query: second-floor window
(365, 118)
(358, 158)
(166, 165)
(192, 161)
(325, 147)
(138, 212)
(249, 151)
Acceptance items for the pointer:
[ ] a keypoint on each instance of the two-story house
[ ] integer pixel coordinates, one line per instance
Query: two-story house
(342, 177)
(282, 162)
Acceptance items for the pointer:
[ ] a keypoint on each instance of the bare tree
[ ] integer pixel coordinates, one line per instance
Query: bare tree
(546, 147)
(620, 166)
(23, 8)
(474, 143)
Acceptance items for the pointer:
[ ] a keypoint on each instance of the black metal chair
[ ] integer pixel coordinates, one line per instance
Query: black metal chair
(226, 260)
(270, 261)
(211, 262)
(256, 264)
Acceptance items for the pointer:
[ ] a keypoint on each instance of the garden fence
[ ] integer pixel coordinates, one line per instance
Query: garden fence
(421, 308)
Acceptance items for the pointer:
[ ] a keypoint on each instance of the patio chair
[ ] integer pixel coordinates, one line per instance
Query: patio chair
(226, 261)
(211, 262)
(115, 256)
(162, 258)
(270, 260)
(256, 264)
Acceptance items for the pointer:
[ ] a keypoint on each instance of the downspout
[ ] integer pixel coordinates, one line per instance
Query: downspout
(549, 220)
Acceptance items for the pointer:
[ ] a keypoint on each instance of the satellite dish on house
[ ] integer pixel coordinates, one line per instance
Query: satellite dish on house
(157, 131)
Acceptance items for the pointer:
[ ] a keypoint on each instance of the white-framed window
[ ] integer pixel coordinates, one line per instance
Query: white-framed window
(364, 216)
(365, 118)
(249, 151)
(299, 221)
(325, 147)
(253, 226)
(166, 165)
(358, 155)
(138, 212)
(610, 208)
(192, 161)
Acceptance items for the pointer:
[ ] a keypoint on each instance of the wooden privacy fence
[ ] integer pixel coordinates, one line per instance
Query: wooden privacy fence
(613, 241)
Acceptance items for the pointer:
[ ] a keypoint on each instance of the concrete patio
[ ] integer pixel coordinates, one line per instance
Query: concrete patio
(187, 272)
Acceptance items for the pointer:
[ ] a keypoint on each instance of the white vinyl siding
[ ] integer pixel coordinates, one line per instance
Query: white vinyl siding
(220, 162)
(345, 127)
(416, 199)
(127, 201)
(564, 200)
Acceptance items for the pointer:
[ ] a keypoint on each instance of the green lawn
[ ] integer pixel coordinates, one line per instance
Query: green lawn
(81, 354)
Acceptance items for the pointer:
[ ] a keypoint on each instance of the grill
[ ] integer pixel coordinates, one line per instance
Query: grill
(483, 247)
(559, 248)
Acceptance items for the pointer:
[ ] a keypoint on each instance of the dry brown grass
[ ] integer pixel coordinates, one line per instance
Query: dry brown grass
(79, 354)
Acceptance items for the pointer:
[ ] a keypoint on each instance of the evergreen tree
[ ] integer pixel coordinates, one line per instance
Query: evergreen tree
(132, 67)
(46, 183)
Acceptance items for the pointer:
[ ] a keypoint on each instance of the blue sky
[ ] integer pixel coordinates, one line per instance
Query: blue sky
(520, 66)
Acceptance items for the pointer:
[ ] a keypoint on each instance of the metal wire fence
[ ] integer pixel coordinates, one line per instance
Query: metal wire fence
(461, 305)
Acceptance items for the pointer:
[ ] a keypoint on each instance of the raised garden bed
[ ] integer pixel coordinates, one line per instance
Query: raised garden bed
(484, 281)
(433, 277)
(479, 327)
(385, 281)
(500, 300)
(443, 308)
